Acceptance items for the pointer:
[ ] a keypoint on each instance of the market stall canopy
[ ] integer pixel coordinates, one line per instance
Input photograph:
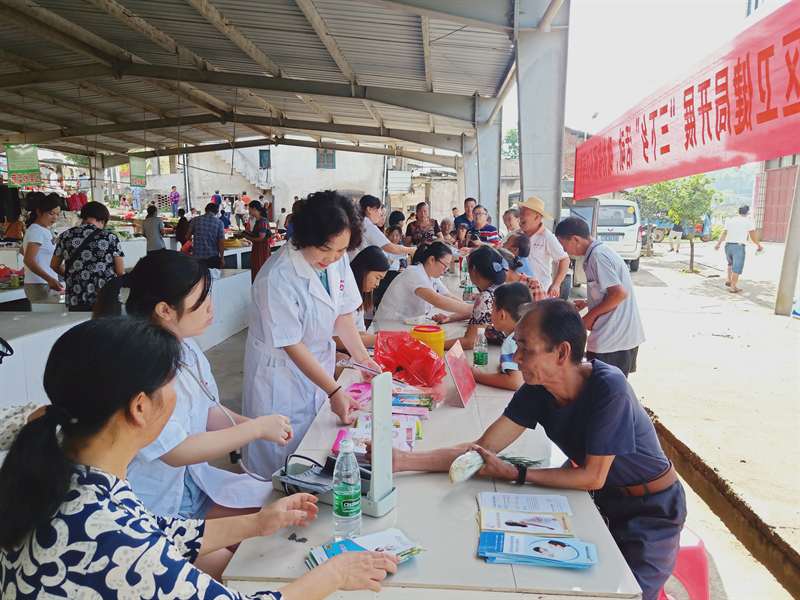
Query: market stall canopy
(115, 76)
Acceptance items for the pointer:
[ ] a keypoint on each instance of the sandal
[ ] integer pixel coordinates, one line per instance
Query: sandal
(735, 290)
(727, 284)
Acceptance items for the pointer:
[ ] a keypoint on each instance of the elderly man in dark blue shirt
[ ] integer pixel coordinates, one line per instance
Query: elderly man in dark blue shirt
(590, 412)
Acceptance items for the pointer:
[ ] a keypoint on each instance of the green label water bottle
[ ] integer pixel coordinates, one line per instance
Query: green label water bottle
(480, 354)
(346, 493)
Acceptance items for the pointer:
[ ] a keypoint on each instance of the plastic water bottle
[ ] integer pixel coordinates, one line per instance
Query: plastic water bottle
(480, 354)
(346, 493)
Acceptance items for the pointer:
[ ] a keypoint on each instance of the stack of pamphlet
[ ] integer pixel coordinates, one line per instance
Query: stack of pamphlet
(392, 541)
(530, 529)
(406, 399)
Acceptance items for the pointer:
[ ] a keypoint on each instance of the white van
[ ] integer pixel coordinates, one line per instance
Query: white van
(619, 226)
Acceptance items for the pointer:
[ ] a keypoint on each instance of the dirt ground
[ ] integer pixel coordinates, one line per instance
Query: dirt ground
(722, 372)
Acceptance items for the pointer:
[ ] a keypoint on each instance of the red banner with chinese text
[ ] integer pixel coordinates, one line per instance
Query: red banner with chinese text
(743, 107)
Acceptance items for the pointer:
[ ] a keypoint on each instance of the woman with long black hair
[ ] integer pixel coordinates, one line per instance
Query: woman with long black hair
(259, 235)
(370, 266)
(172, 475)
(38, 247)
(72, 526)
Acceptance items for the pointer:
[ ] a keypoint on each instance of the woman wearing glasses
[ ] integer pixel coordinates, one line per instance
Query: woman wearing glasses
(417, 290)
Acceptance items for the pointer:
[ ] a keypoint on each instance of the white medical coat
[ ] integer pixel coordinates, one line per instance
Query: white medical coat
(290, 305)
(160, 486)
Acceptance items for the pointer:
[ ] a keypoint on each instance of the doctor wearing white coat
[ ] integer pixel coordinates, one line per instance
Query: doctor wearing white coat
(302, 297)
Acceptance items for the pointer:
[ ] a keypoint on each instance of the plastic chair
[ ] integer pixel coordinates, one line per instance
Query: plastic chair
(691, 568)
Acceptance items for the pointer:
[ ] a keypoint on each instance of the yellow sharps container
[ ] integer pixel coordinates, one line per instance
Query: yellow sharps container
(430, 335)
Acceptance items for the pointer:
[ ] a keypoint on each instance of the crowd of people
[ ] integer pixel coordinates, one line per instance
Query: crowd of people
(131, 466)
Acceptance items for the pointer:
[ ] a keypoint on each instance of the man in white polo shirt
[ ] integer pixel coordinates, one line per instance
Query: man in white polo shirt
(545, 249)
(737, 230)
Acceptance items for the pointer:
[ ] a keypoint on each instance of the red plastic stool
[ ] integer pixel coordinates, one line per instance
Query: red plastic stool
(691, 568)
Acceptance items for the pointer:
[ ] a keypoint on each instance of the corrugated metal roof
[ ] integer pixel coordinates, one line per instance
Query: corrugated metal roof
(383, 47)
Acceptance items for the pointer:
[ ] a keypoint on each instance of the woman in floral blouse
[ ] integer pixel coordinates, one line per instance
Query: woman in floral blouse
(487, 270)
(423, 229)
(72, 527)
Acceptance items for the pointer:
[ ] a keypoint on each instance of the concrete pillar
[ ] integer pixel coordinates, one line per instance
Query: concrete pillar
(541, 91)
(97, 174)
(472, 186)
(482, 159)
(791, 257)
(461, 185)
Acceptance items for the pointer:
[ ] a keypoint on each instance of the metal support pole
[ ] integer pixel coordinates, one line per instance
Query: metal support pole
(791, 257)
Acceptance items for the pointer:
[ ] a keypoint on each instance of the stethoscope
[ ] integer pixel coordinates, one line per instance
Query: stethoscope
(235, 455)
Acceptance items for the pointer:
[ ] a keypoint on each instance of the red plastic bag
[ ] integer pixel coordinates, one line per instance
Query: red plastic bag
(408, 359)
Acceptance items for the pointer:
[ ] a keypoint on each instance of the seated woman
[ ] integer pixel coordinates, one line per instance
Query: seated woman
(369, 268)
(589, 410)
(417, 290)
(171, 475)
(422, 229)
(72, 526)
(487, 269)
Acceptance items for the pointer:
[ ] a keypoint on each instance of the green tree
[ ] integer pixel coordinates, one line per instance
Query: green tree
(511, 144)
(694, 199)
(686, 201)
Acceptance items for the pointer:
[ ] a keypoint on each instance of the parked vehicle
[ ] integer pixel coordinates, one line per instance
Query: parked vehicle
(619, 226)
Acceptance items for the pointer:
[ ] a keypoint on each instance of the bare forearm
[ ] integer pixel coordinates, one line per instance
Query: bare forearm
(434, 461)
(565, 478)
(563, 267)
(609, 303)
(317, 584)
(209, 445)
(310, 367)
(505, 381)
(398, 249)
(227, 531)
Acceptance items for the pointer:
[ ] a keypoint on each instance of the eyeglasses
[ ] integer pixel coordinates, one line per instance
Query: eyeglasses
(444, 264)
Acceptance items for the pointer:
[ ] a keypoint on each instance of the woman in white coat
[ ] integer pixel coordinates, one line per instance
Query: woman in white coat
(302, 297)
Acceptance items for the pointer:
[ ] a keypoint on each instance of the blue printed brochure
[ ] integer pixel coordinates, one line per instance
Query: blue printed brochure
(513, 548)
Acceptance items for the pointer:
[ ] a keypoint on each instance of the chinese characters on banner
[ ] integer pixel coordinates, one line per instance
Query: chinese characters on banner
(138, 170)
(743, 107)
(23, 165)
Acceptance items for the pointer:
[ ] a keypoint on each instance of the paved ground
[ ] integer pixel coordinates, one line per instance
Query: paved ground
(722, 372)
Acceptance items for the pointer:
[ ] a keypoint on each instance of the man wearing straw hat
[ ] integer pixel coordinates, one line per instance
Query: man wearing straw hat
(545, 248)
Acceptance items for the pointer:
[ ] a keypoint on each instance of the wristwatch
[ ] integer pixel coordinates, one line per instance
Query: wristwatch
(522, 474)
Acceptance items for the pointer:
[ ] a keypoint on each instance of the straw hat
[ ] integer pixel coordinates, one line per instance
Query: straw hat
(536, 205)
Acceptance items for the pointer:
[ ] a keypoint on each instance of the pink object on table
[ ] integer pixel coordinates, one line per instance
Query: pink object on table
(339, 437)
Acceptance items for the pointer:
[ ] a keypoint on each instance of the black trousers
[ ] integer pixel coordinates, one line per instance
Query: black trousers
(624, 360)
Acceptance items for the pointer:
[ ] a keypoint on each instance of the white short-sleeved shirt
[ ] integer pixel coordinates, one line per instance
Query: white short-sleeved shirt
(620, 329)
(373, 236)
(400, 300)
(545, 250)
(738, 227)
(158, 485)
(36, 234)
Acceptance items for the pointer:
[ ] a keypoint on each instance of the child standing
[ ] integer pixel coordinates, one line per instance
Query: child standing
(508, 302)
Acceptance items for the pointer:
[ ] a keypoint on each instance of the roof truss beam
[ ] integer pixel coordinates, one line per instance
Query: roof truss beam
(321, 29)
(439, 160)
(497, 15)
(241, 41)
(52, 27)
(438, 140)
(166, 42)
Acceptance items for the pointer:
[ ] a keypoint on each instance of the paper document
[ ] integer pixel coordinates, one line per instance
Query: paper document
(548, 524)
(530, 503)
